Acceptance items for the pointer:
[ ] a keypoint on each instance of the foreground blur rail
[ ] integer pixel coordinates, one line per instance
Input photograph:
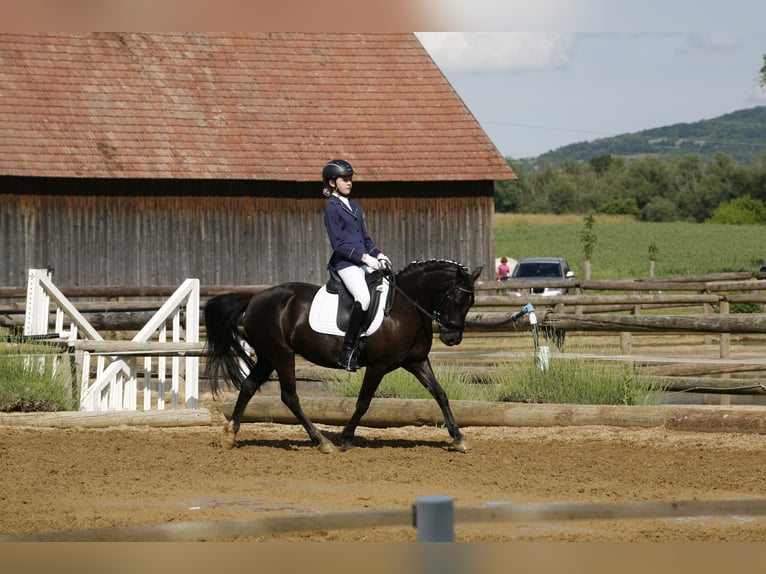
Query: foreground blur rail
(494, 512)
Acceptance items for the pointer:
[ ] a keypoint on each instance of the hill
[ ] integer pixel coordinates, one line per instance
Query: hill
(740, 135)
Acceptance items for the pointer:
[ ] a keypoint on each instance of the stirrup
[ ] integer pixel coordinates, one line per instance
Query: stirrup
(348, 359)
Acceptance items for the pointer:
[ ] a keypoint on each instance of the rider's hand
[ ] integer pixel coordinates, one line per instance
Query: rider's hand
(384, 261)
(371, 262)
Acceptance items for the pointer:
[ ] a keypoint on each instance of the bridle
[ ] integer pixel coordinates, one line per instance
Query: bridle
(436, 315)
(443, 322)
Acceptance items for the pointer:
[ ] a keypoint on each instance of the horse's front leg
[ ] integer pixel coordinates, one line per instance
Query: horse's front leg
(425, 374)
(372, 378)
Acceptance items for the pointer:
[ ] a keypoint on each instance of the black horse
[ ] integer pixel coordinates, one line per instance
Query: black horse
(275, 324)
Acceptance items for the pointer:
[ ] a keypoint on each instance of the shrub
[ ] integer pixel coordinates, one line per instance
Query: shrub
(660, 209)
(623, 206)
(575, 381)
(565, 382)
(740, 211)
(745, 308)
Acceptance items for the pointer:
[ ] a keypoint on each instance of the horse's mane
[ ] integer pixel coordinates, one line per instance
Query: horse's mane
(430, 264)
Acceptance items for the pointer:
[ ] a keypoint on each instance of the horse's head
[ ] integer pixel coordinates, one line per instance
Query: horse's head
(446, 293)
(450, 312)
(444, 290)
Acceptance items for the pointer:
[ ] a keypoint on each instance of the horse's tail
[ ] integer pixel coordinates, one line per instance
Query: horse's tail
(223, 349)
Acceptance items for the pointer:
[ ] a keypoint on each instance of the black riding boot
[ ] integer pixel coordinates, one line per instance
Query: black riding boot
(348, 358)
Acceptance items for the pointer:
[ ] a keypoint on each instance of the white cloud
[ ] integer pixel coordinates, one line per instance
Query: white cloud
(715, 16)
(497, 51)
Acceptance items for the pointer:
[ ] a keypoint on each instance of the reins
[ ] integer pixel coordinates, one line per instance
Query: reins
(436, 316)
(528, 308)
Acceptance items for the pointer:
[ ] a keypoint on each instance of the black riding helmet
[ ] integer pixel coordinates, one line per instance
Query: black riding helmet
(336, 168)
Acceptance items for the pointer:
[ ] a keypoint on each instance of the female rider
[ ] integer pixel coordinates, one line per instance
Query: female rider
(354, 254)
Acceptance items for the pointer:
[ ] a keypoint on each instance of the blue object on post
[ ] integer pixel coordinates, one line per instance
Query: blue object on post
(435, 519)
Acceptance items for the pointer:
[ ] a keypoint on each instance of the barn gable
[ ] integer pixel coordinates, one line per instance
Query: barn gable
(97, 126)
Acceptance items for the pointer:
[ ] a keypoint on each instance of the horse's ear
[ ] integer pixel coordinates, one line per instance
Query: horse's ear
(476, 272)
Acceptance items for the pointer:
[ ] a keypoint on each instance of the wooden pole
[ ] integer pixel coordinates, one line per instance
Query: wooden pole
(740, 323)
(89, 419)
(385, 413)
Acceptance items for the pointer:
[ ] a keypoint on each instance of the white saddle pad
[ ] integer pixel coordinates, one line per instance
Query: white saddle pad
(324, 311)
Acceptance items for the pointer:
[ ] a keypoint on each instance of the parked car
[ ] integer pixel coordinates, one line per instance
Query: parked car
(540, 269)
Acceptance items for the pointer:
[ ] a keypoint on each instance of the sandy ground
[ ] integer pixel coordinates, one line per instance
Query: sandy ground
(75, 479)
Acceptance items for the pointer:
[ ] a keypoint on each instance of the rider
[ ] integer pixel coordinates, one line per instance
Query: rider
(354, 254)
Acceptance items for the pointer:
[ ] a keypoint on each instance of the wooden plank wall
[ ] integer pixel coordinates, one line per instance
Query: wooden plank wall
(227, 239)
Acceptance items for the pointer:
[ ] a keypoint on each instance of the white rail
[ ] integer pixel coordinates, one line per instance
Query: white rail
(116, 384)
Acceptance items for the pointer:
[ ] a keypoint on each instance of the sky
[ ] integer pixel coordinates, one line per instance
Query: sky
(536, 74)
(646, 65)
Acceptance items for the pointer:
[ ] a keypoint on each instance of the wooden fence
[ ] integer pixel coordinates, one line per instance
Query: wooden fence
(622, 308)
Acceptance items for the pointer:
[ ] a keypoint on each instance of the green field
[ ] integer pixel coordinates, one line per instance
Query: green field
(622, 244)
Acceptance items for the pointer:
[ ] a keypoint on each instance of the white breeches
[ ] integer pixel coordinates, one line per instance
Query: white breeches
(354, 279)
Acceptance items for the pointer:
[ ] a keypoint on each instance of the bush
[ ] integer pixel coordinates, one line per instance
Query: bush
(745, 308)
(740, 211)
(624, 206)
(660, 209)
(30, 380)
(575, 381)
(565, 382)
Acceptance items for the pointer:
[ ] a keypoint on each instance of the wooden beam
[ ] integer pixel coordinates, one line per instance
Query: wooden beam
(82, 419)
(739, 323)
(405, 412)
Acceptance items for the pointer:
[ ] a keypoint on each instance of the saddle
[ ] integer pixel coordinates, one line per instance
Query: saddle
(331, 307)
(335, 286)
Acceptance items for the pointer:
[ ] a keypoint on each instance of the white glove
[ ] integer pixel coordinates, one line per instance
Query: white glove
(384, 261)
(371, 262)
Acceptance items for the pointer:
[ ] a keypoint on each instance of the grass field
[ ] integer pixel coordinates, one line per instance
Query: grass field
(622, 244)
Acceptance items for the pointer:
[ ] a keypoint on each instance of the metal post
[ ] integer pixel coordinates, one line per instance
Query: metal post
(544, 357)
(435, 519)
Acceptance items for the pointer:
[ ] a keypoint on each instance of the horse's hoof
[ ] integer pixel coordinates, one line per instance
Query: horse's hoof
(459, 446)
(325, 447)
(347, 446)
(228, 439)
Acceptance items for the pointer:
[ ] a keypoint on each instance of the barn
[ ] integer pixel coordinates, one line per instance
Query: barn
(147, 158)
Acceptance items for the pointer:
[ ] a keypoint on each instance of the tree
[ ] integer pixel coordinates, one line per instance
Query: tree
(508, 194)
(763, 72)
(589, 239)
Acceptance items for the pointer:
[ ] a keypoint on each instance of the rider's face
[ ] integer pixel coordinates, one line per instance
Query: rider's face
(343, 185)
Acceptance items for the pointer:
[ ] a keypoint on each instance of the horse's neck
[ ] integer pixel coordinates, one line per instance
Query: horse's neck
(425, 288)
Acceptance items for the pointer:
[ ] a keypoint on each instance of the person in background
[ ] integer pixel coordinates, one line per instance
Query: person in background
(354, 254)
(503, 271)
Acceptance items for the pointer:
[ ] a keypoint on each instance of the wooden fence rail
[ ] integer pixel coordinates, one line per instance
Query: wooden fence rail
(603, 306)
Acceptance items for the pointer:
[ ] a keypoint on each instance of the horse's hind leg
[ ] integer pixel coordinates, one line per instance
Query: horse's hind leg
(425, 374)
(248, 387)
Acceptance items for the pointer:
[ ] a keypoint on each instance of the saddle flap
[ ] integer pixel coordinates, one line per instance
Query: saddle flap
(339, 309)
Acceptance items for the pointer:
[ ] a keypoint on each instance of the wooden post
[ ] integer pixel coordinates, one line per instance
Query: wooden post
(626, 343)
(725, 338)
(707, 309)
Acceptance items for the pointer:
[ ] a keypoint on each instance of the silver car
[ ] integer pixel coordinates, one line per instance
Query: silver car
(541, 269)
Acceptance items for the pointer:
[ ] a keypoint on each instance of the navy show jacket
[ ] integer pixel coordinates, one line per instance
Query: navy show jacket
(348, 234)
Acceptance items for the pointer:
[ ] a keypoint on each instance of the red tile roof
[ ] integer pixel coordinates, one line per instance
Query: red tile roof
(269, 106)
